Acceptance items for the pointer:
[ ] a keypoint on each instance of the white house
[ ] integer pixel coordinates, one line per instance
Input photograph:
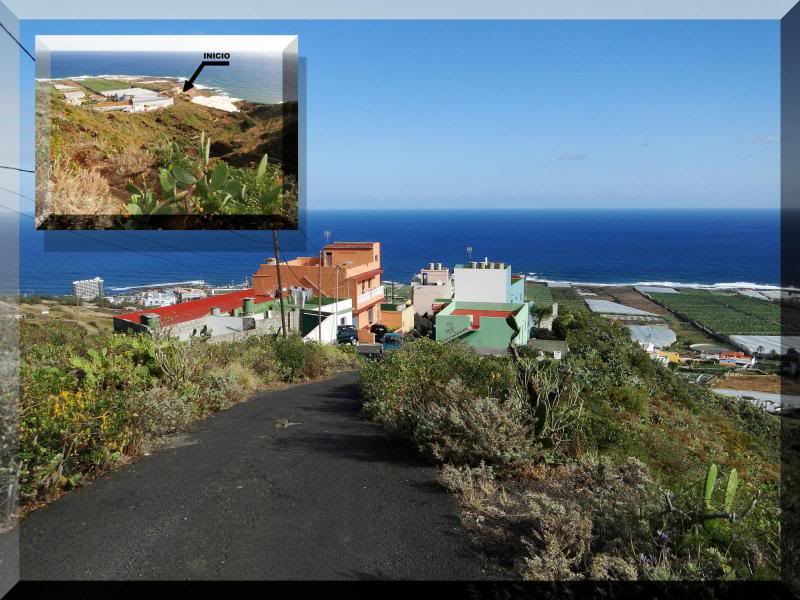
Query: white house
(333, 315)
(74, 97)
(482, 282)
(429, 285)
(130, 93)
(147, 104)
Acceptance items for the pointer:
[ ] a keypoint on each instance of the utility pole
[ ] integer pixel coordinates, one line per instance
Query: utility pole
(319, 300)
(280, 285)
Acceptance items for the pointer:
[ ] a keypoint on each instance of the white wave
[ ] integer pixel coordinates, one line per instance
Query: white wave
(674, 284)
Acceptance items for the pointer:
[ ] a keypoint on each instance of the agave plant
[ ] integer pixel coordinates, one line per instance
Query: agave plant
(142, 201)
(202, 189)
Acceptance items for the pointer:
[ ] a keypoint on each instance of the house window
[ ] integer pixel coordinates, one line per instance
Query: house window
(342, 320)
(370, 314)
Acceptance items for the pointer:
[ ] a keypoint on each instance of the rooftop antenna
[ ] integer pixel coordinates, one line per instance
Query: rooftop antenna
(469, 253)
(327, 234)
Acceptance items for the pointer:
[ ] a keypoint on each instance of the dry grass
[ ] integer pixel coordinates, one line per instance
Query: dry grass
(129, 164)
(92, 320)
(77, 191)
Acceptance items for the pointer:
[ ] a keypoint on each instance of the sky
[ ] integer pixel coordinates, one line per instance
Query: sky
(531, 114)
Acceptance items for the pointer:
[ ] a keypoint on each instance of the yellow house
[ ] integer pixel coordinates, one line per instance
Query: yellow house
(671, 357)
(398, 317)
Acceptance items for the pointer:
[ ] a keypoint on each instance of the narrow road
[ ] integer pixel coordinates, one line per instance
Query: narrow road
(330, 496)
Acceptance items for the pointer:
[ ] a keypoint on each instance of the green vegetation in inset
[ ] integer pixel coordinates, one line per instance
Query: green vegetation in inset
(190, 185)
(99, 86)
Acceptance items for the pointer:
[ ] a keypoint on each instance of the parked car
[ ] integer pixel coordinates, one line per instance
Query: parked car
(346, 334)
(391, 341)
(379, 329)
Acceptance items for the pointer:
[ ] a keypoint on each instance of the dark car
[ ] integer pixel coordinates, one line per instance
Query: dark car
(391, 341)
(380, 330)
(346, 334)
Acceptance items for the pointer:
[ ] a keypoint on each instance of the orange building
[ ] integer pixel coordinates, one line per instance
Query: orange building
(349, 270)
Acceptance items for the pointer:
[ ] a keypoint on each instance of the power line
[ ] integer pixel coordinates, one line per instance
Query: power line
(107, 243)
(16, 169)
(130, 233)
(24, 49)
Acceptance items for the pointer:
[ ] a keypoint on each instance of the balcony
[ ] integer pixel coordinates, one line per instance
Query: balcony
(369, 296)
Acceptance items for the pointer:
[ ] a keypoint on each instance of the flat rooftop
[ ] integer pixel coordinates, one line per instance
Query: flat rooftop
(477, 314)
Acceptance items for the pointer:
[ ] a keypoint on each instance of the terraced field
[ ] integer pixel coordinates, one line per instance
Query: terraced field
(568, 299)
(539, 294)
(725, 313)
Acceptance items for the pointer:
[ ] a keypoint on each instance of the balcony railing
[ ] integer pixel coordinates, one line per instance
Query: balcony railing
(370, 295)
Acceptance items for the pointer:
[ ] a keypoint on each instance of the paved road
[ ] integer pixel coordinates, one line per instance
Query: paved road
(238, 498)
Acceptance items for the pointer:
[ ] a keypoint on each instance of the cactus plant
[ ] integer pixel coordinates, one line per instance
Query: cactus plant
(711, 516)
(190, 179)
(711, 482)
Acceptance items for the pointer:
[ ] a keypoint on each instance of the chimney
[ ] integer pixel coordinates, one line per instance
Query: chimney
(215, 311)
(431, 266)
(248, 305)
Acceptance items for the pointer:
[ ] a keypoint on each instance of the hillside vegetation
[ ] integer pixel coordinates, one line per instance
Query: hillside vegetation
(94, 156)
(603, 465)
(88, 403)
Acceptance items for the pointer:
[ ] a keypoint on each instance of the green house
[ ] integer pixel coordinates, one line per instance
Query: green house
(484, 325)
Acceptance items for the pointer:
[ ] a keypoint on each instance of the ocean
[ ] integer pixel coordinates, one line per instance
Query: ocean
(253, 77)
(701, 247)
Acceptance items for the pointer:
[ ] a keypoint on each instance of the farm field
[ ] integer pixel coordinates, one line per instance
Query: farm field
(99, 85)
(568, 299)
(539, 294)
(724, 313)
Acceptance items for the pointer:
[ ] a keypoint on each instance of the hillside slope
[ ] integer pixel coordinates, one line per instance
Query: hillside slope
(107, 150)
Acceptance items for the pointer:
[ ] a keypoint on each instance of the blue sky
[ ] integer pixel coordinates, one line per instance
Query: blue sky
(537, 114)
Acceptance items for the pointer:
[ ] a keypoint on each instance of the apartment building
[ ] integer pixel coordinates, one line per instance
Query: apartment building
(430, 286)
(343, 270)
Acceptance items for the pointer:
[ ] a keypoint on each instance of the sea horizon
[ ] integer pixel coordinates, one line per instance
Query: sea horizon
(734, 248)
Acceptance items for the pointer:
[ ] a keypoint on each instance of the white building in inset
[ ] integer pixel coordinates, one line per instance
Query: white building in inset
(74, 97)
(88, 289)
(126, 93)
(147, 104)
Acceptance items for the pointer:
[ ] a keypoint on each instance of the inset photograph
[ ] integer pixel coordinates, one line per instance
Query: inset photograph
(166, 132)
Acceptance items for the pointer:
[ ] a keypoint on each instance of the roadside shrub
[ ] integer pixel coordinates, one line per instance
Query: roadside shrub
(453, 425)
(291, 353)
(473, 486)
(260, 356)
(558, 541)
(392, 387)
(86, 401)
(164, 411)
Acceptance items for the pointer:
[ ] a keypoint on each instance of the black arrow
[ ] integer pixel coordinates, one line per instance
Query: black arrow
(189, 83)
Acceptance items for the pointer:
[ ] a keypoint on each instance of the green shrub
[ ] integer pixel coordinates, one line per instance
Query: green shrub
(86, 401)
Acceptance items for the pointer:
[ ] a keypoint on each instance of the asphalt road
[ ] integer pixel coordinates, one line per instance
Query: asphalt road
(330, 497)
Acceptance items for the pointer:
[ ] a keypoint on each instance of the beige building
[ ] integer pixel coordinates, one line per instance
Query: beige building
(429, 285)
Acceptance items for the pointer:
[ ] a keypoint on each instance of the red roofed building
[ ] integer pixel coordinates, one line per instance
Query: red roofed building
(344, 270)
(186, 316)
